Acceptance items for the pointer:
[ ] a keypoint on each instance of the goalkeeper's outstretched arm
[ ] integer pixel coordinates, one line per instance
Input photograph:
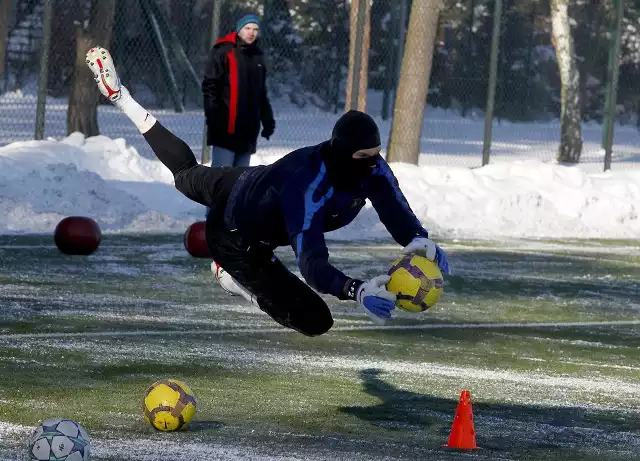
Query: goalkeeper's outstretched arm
(392, 206)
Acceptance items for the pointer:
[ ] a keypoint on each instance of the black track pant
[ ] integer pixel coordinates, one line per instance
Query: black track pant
(282, 295)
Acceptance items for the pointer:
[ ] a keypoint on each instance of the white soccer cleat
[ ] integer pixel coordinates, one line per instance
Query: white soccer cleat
(229, 284)
(223, 278)
(104, 73)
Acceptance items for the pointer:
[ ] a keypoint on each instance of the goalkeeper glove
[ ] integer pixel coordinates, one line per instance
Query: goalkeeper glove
(426, 247)
(373, 297)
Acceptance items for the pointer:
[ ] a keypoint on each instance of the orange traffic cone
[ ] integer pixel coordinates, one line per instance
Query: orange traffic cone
(463, 435)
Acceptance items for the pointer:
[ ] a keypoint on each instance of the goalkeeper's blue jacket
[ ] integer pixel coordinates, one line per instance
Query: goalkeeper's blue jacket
(292, 202)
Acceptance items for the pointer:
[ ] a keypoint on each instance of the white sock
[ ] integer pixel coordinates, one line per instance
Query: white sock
(136, 113)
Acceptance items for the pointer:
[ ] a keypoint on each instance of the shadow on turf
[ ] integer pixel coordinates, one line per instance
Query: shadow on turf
(498, 426)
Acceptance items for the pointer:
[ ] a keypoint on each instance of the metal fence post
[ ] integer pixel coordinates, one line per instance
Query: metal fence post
(612, 84)
(402, 35)
(491, 91)
(215, 32)
(389, 80)
(163, 54)
(403, 12)
(357, 57)
(44, 69)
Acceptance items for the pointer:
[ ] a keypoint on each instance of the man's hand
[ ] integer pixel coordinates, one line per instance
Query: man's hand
(267, 132)
(426, 247)
(376, 300)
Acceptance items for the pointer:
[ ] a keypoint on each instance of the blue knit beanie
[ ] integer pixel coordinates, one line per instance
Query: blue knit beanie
(247, 19)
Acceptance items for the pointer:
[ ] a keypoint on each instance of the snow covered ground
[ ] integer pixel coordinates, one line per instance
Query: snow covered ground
(115, 179)
(41, 182)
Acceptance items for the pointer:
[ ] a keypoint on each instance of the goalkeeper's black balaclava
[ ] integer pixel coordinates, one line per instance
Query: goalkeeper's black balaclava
(354, 131)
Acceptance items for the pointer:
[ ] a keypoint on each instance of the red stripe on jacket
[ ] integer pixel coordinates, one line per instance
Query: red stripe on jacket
(229, 38)
(233, 96)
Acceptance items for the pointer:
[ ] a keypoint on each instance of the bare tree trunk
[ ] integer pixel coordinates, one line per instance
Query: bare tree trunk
(83, 100)
(411, 96)
(570, 113)
(364, 53)
(63, 47)
(5, 14)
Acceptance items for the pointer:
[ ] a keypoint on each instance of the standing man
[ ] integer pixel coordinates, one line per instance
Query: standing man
(235, 95)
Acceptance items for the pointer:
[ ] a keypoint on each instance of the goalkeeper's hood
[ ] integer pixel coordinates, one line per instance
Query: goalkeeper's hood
(353, 132)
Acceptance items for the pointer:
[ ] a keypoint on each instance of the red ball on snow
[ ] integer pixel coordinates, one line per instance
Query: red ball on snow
(195, 241)
(77, 235)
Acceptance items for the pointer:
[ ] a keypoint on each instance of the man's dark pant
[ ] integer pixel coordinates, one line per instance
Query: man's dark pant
(282, 295)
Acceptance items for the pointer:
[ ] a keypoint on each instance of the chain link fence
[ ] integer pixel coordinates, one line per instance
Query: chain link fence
(306, 45)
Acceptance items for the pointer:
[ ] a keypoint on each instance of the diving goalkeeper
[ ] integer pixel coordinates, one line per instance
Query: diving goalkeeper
(294, 201)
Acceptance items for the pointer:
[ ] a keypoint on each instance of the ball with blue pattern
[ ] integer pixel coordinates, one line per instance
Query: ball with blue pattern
(60, 440)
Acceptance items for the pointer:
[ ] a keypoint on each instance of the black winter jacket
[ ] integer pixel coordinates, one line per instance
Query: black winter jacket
(235, 95)
(293, 201)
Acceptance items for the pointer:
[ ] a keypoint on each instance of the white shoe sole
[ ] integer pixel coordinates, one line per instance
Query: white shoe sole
(104, 72)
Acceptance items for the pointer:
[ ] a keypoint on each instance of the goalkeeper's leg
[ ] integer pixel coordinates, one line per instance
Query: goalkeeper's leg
(267, 282)
(200, 183)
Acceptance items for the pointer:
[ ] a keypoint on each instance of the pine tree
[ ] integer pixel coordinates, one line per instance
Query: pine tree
(280, 43)
(323, 26)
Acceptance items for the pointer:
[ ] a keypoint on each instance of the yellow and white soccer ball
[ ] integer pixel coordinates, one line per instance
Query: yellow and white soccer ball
(416, 281)
(169, 405)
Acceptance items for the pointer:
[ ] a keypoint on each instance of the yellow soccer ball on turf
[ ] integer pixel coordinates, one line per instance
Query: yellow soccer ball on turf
(416, 281)
(169, 405)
